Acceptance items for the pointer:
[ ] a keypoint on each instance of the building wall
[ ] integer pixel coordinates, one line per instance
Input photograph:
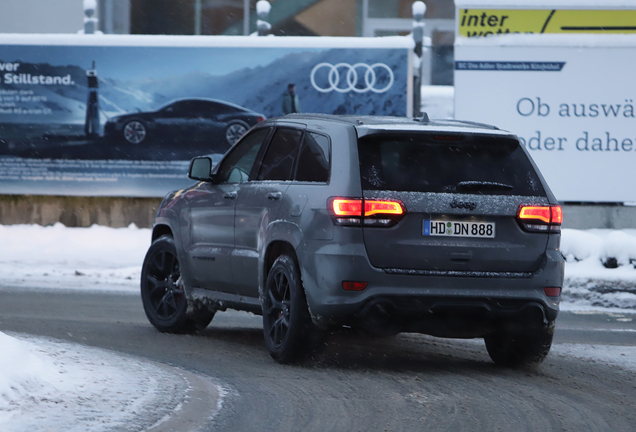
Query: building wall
(41, 16)
(114, 212)
(61, 16)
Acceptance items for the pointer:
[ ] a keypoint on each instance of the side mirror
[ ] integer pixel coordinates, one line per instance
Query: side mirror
(200, 168)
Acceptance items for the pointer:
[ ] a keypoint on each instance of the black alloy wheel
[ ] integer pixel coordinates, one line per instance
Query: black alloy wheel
(289, 332)
(278, 308)
(162, 292)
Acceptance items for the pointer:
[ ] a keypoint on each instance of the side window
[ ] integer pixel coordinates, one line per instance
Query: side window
(206, 108)
(313, 160)
(281, 154)
(237, 166)
(182, 108)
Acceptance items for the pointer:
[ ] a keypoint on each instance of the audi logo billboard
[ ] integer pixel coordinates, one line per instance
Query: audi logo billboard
(116, 100)
(377, 78)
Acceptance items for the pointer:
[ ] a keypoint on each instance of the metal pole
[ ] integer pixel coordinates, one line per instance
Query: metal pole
(365, 16)
(197, 17)
(246, 17)
(419, 9)
(109, 27)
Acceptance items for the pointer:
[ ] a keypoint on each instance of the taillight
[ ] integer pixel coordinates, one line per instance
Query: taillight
(540, 218)
(359, 211)
(259, 119)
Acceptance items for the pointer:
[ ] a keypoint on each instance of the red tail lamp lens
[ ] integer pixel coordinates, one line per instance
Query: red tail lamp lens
(353, 207)
(556, 214)
(382, 207)
(531, 212)
(260, 119)
(354, 286)
(347, 207)
(552, 291)
(548, 214)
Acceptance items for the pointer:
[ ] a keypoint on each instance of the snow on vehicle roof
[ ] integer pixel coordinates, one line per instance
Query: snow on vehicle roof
(365, 124)
(454, 127)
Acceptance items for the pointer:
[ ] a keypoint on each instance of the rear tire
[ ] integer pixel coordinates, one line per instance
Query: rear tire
(235, 131)
(290, 335)
(519, 349)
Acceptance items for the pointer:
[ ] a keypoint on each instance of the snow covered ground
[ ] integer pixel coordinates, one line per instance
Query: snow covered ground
(48, 385)
(79, 388)
(101, 258)
(95, 258)
(600, 268)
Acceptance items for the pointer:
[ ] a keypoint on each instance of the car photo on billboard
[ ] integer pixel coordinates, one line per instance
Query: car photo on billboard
(213, 121)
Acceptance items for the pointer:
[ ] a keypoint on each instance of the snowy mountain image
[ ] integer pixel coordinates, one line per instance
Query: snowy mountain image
(258, 87)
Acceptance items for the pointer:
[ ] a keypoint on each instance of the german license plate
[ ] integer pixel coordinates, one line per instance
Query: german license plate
(448, 228)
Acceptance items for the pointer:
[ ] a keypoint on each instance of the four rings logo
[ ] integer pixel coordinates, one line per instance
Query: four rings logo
(352, 77)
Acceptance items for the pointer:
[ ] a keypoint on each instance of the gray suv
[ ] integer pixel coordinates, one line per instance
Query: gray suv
(388, 225)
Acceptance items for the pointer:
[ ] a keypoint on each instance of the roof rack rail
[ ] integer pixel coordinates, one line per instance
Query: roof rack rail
(424, 118)
(484, 125)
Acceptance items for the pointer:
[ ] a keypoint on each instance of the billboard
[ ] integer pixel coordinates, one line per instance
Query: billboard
(569, 97)
(123, 115)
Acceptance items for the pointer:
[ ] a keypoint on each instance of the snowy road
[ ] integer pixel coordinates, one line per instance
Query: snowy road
(405, 383)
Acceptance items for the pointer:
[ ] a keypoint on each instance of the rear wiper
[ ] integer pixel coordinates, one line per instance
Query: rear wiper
(468, 186)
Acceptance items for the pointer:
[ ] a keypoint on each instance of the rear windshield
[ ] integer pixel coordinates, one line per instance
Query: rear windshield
(428, 163)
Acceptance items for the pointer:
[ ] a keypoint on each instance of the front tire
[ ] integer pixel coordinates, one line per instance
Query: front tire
(135, 132)
(162, 291)
(289, 331)
(522, 348)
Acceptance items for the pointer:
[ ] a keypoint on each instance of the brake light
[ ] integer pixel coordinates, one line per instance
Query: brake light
(556, 215)
(259, 119)
(448, 137)
(540, 218)
(540, 213)
(358, 211)
(347, 207)
(382, 207)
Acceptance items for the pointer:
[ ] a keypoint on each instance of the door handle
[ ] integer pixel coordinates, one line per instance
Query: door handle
(229, 195)
(274, 195)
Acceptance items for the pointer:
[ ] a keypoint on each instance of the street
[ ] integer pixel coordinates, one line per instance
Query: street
(402, 383)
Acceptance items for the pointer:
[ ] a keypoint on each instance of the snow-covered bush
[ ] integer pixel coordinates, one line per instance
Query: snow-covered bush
(579, 245)
(619, 248)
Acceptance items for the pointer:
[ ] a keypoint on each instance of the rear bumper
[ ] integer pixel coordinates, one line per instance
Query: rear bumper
(444, 304)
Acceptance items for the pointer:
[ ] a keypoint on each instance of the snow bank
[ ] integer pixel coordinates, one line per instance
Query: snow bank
(60, 257)
(101, 258)
(49, 385)
(589, 276)
(29, 374)
(405, 42)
